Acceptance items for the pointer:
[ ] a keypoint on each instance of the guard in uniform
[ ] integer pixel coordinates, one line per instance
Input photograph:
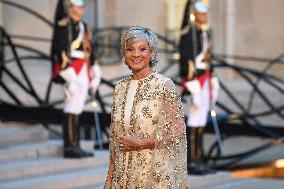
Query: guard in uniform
(197, 80)
(75, 67)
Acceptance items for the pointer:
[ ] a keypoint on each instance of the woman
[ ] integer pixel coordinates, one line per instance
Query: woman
(148, 142)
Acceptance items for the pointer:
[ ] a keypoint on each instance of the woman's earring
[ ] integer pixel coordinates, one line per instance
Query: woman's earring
(151, 60)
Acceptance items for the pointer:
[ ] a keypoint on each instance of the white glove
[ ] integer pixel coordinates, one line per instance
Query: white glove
(193, 86)
(68, 74)
(96, 80)
(70, 89)
(199, 62)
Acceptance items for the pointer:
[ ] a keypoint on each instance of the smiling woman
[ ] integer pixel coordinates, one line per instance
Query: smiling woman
(147, 142)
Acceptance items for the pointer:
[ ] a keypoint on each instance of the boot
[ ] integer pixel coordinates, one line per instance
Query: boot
(188, 148)
(199, 143)
(198, 164)
(70, 147)
(77, 138)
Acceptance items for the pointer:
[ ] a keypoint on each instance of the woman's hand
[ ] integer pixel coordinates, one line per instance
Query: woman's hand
(133, 142)
(130, 143)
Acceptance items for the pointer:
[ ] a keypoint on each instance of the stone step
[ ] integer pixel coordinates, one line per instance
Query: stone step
(26, 151)
(18, 134)
(30, 151)
(26, 169)
(90, 174)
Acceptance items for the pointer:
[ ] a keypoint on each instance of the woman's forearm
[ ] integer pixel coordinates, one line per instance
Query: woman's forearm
(109, 175)
(147, 143)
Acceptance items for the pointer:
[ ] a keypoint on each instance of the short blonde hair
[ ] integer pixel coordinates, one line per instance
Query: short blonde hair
(139, 32)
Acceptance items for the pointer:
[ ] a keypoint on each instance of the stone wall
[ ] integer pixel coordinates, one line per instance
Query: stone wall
(147, 13)
(1, 12)
(257, 26)
(249, 28)
(18, 22)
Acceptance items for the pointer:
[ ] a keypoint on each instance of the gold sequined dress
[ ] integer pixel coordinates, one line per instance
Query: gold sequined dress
(155, 113)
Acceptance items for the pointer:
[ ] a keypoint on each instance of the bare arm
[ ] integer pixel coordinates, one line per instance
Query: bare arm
(148, 143)
(191, 70)
(109, 175)
(132, 142)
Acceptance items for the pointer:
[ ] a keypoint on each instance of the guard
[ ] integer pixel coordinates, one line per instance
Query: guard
(197, 79)
(75, 67)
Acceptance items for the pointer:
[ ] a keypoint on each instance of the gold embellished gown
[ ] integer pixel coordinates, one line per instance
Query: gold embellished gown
(150, 108)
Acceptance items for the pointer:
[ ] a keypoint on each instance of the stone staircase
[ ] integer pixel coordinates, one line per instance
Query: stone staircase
(29, 160)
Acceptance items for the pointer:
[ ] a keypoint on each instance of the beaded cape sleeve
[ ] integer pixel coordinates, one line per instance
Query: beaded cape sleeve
(170, 149)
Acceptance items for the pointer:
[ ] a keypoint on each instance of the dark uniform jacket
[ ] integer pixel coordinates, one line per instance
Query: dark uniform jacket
(190, 46)
(61, 42)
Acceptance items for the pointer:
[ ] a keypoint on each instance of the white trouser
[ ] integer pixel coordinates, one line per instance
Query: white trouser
(77, 92)
(198, 113)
